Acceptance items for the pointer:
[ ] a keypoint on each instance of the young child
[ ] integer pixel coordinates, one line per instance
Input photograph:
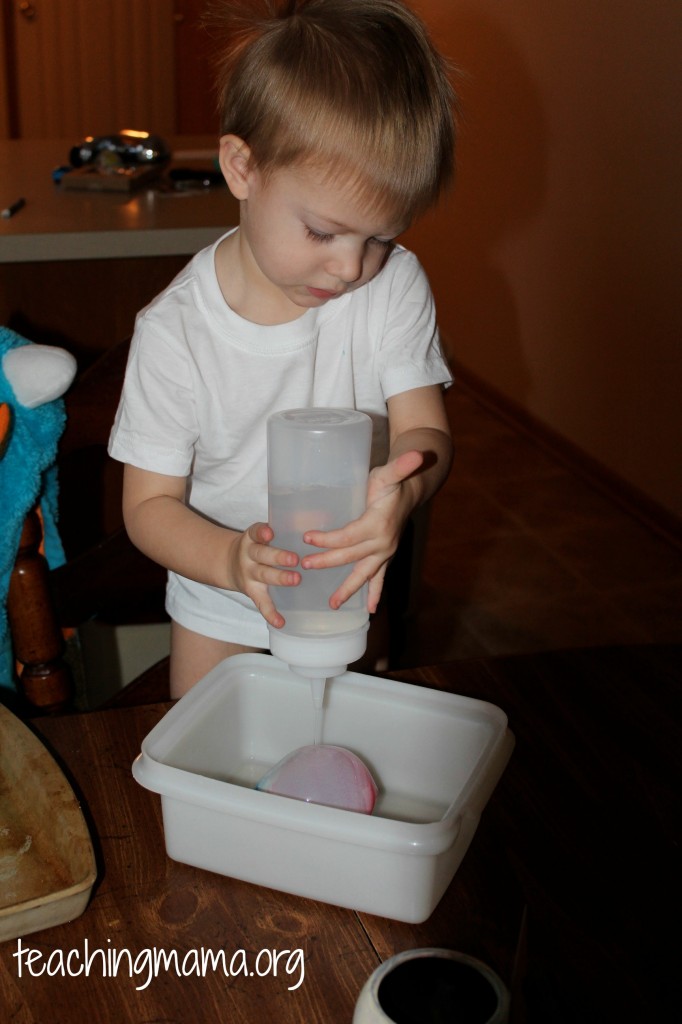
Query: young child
(337, 131)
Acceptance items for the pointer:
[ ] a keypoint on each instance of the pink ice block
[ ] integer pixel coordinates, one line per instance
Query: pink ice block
(323, 774)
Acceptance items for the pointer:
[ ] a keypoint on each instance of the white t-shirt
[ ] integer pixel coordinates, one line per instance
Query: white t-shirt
(201, 382)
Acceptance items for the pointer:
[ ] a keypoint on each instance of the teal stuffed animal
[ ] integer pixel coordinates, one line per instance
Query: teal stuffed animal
(33, 379)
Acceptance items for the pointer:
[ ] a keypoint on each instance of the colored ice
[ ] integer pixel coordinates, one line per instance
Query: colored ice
(323, 774)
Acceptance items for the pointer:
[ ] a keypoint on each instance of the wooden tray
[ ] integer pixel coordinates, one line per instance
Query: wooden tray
(47, 863)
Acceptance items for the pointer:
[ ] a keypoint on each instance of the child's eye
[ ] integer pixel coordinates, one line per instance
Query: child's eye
(323, 236)
(318, 236)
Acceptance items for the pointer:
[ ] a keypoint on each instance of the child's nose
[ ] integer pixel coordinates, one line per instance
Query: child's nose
(346, 263)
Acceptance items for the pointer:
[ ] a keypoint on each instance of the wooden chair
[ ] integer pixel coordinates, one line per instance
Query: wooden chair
(105, 576)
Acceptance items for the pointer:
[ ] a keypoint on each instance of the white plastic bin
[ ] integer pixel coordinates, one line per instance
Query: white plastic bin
(436, 758)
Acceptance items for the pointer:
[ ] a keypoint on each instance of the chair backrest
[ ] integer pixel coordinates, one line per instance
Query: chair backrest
(104, 576)
(37, 639)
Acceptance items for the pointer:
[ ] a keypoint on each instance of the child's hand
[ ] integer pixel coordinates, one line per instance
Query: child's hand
(254, 566)
(372, 540)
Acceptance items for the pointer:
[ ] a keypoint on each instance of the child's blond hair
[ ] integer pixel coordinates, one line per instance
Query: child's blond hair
(354, 87)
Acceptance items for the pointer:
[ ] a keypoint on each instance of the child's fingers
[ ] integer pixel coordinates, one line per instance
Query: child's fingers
(350, 586)
(278, 557)
(262, 533)
(266, 607)
(258, 549)
(334, 556)
(341, 539)
(271, 574)
(257, 566)
(350, 542)
(367, 571)
(375, 589)
(261, 570)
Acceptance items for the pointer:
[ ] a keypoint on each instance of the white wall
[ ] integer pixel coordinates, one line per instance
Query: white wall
(556, 264)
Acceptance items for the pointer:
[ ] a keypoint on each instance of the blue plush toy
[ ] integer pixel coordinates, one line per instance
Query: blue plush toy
(32, 380)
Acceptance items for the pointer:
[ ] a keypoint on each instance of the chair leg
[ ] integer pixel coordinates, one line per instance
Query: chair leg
(38, 642)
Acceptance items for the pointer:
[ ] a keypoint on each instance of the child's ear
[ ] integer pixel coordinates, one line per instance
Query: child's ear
(234, 156)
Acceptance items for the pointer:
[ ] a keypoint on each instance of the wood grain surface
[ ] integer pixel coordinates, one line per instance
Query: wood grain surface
(568, 890)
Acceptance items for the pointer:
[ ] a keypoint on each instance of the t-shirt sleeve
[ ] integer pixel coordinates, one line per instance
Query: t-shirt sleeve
(410, 353)
(156, 423)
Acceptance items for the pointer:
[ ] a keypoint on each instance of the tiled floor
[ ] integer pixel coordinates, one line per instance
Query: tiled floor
(523, 555)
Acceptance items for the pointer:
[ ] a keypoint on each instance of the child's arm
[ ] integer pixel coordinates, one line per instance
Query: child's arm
(161, 525)
(418, 463)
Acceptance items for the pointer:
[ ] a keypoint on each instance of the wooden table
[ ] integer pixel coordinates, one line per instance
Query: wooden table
(572, 872)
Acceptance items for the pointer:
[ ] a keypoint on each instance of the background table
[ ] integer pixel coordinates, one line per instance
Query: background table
(76, 266)
(61, 224)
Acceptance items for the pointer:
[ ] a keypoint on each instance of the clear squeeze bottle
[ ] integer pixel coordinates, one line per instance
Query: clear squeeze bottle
(318, 464)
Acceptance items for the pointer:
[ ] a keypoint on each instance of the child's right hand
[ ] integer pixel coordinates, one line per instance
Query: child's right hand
(255, 566)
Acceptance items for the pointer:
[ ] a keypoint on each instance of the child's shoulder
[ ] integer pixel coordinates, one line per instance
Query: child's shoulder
(403, 261)
(192, 287)
(402, 273)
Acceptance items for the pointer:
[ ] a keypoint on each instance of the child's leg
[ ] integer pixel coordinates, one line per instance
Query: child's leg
(193, 655)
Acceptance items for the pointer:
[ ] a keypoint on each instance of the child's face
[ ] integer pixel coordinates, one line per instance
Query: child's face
(305, 241)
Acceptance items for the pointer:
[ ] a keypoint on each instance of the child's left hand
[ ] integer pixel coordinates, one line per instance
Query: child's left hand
(372, 540)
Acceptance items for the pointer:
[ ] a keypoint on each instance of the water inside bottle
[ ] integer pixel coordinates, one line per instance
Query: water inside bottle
(306, 606)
